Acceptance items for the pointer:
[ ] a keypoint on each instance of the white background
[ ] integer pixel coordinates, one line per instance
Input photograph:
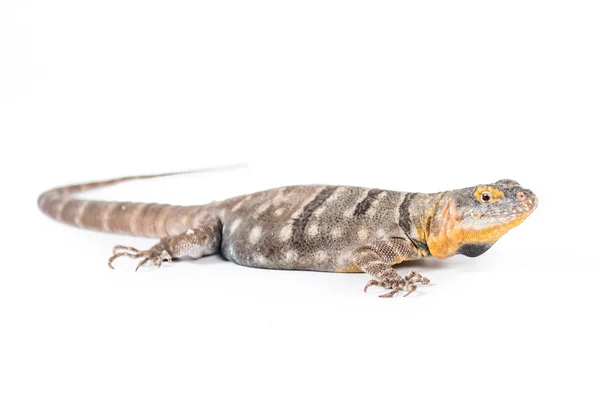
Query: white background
(414, 96)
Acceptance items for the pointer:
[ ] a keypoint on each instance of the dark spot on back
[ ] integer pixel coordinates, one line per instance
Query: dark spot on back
(363, 206)
(404, 221)
(300, 223)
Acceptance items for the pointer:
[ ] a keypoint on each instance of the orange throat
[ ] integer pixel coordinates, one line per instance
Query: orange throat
(447, 235)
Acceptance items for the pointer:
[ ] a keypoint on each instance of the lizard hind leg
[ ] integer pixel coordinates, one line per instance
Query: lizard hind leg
(193, 243)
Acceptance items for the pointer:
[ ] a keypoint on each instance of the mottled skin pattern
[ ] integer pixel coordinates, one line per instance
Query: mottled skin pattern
(318, 228)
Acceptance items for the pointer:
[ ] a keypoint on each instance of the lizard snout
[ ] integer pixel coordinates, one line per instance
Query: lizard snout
(528, 198)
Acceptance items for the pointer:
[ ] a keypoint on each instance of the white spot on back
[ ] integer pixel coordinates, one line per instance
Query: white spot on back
(261, 260)
(239, 204)
(235, 225)
(373, 209)
(321, 256)
(279, 197)
(363, 233)
(313, 229)
(278, 212)
(344, 257)
(286, 233)
(189, 232)
(291, 256)
(319, 211)
(255, 234)
(262, 208)
(336, 232)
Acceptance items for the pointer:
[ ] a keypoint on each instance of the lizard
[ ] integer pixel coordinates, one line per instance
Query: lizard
(310, 227)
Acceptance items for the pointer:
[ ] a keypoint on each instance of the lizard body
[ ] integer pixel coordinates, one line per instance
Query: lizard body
(316, 227)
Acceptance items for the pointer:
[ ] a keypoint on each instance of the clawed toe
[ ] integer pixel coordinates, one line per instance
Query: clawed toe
(165, 256)
(121, 254)
(390, 294)
(126, 248)
(372, 282)
(415, 277)
(154, 255)
(408, 287)
(408, 284)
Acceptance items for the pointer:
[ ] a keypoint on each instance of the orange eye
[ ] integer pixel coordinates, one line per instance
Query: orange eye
(486, 197)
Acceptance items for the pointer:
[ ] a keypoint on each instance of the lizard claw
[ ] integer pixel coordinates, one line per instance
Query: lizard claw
(411, 288)
(408, 287)
(155, 255)
(372, 282)
(415, 277)
(166, 256)
(126, 248)
(397, 284)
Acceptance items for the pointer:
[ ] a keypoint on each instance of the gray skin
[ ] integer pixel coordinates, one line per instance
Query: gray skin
(317, 227)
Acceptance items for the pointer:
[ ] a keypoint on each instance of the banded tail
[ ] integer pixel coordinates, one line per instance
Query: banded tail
(139, 219)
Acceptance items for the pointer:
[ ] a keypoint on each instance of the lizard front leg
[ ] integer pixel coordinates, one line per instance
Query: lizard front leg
(194, 243)
(377, 259)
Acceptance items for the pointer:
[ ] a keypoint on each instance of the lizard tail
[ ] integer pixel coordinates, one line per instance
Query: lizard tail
(139, 219)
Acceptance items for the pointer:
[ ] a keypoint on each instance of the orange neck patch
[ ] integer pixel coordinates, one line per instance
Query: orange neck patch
(447, 235)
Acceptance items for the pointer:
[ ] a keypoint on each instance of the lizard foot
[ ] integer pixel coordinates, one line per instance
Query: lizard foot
(398, 284)
(193, 243)
(156, 255)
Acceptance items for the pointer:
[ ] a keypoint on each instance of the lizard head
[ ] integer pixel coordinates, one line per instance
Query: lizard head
(469, 221)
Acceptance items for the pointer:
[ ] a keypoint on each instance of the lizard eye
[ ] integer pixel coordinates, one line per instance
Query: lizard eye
(488, 194)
